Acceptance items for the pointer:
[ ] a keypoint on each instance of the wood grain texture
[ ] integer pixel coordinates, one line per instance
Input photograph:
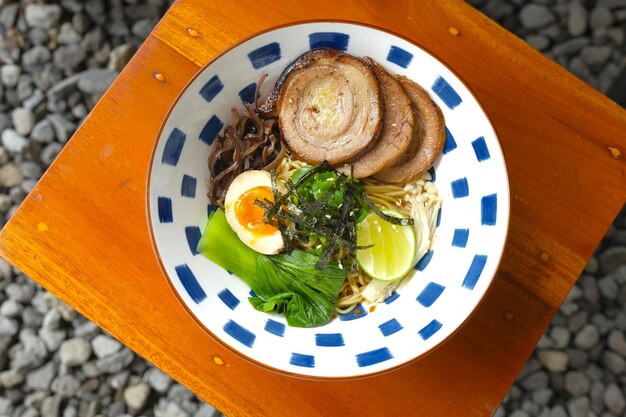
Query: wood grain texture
(95, 253)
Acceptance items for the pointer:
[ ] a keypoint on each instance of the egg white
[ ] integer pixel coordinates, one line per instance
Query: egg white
(265, 244)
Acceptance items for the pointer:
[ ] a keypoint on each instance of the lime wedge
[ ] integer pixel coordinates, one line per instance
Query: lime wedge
(391, 257)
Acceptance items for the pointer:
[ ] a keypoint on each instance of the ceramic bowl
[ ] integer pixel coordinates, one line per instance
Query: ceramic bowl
(448, 283)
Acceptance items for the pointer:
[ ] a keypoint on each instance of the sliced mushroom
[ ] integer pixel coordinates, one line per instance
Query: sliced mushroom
(328, 105)
(428, 139)
(395, 134)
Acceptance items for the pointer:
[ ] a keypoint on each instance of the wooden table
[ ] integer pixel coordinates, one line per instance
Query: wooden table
(82, 232)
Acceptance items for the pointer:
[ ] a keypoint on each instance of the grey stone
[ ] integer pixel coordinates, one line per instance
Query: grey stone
(608, 287)
(30, 170)
(84, 328)
(5, 203)
(539, 42)
(136, 396)
(578, 407)
(96, 80)
(206, 410)
(38, 36)
(158, 380)
(92, 41)
(617, 342)
(63, 128)
(614, 399)
(63, 87)
(587, 337)
(6, 406)
(596, 56)
(13, 142)
(553, 360)
(11, 308)
(34, 100)
(11, 378)
(65, 385)
(43, 131)
(600, 17)
(535, 16)
(115, 362)
(576, 383)
(43, 16)
(10, 175)
(50, 406)
(10, 74)
(23, 120)
(74, 352)
(180, 394)
(69, 56)
(612, 4)
(120, 55)
(50, 152)
(35, 57)
(40, 378)
(68, 34)
(8, 327)
(612, 257)
(81, 22)
(28, 186)
(570, 47)
(519, 413)
(168, 409)
(104, 346)
(52, 338)
(143, 27)
(25, 87)
(8, 13)
(577, 19)
(119, 380)
(5, 268)
(614, 362)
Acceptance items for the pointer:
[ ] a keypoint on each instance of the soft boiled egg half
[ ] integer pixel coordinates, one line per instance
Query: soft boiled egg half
(246, 218)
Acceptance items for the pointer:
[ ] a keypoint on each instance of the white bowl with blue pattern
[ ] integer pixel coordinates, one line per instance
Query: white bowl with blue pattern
(448, 283)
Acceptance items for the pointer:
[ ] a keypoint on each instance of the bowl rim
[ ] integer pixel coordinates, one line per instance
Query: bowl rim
(169, 279)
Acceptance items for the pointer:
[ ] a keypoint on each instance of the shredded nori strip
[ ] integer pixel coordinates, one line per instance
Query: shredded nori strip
(335, 225)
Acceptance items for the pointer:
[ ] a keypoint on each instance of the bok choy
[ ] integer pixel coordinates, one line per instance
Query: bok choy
(288, 284)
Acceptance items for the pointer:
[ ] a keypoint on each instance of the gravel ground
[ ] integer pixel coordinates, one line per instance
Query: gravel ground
(56, 61)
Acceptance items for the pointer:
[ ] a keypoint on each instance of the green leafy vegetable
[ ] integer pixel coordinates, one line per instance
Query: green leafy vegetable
(288, 283)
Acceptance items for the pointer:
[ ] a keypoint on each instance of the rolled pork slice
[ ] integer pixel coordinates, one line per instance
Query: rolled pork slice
(328, 105)
(427, 141)
(396, 131)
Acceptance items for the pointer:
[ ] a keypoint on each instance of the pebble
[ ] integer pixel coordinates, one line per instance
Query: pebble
(50, 406)
(43, 131)
(8, 327)
(34, 58)
(120, 55)
(570, 46)
(612, 258)
(65, 385)
(62, 126)
(68, 34)
(136, 396)
(96, 81)
(11, 378)
(587, 337)
(116, 362)
(69, 56)
(577, 18)
(576, 383)
(50, 152)
(596, 56)
(74, 352)
(43, 16)
(168, 409)
(104, 346)
(553, 360)
(614, 399)
(535, 16)
(40, 378)
(158, 380)
(31, 170)
(617, 342)
(614, 362)
(52, 338)
(578, 407)
(11, 308)
(23, 120)
(10, 74)
(608, 287)
(20, 292)
(539, 42)
(13, 142)
(600, 17)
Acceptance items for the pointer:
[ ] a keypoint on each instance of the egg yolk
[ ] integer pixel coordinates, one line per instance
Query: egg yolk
(250, 215)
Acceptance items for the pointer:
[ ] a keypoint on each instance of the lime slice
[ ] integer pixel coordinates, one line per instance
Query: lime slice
(391, 257)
